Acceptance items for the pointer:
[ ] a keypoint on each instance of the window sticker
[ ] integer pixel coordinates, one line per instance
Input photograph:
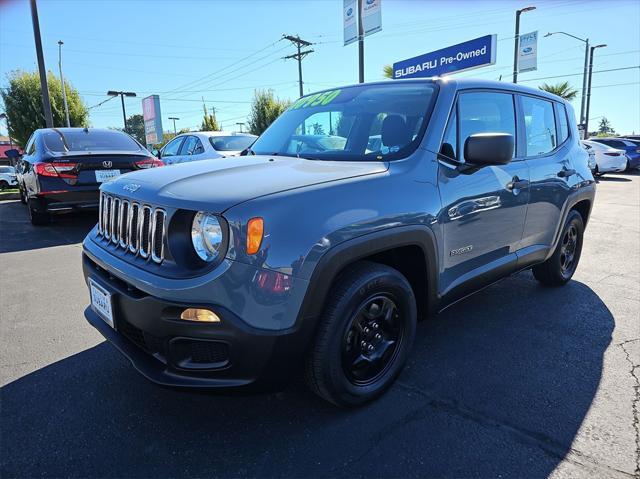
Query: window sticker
(319, 99)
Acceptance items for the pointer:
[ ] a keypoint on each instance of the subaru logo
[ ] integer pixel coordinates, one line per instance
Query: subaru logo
(349, 12)
(131, 187)
(107, 164)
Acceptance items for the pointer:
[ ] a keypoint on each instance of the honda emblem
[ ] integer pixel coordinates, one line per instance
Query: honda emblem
(107, 164)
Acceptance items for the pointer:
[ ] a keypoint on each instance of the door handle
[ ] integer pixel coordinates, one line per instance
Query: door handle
(566, 173)
(517, 184)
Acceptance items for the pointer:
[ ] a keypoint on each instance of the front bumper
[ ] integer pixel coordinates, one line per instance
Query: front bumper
(173, 352)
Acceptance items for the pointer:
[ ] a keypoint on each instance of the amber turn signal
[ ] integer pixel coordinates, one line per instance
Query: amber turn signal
(202, 315)
(255, 230)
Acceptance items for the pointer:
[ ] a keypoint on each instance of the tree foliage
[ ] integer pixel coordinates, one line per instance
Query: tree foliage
(135, 127)
(604, 127)
(387, 71)
(167, 136)
(562, 89)
(264, 110)
(23, 104)
(209, 121)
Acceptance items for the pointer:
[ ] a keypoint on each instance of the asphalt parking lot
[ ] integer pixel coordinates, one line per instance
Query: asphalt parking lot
(517, 381)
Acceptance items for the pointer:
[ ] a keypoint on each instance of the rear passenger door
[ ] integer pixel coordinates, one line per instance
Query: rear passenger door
(482, 213)
(548, 146)
(170, 151)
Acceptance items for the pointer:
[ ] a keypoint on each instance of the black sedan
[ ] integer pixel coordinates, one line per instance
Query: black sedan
(62, 168)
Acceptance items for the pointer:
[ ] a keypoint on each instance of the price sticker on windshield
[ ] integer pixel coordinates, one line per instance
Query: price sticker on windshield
(319, 99)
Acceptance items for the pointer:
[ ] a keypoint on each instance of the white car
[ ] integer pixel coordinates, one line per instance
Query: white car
(204, 145)
(607, 159)
(7, 177)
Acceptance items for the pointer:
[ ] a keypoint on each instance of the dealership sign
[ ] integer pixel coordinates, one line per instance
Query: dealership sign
(475, 53)
(528, 52)
(370, 14)
(152, 119)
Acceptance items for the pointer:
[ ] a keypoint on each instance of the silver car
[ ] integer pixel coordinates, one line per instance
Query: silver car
(204, 145)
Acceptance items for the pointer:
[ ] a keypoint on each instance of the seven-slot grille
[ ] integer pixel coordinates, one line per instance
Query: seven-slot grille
(132, 226)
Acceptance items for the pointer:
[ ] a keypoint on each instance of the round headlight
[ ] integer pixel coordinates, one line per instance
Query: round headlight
(206, 236)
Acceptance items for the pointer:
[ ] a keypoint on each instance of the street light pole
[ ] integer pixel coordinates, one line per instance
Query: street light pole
(360, 44)
(64, 90)
(588, 107)
(46, 103)
(516, 45)
(584, 74)
(240, 124)
(174, 118)
(122, 94)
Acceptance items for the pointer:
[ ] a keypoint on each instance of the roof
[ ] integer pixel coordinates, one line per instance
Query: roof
(218, 133)
(460, 83)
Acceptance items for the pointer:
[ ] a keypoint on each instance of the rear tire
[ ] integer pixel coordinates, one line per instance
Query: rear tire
(3, 185)
(364, 337)
(38, 218)
(559, 268)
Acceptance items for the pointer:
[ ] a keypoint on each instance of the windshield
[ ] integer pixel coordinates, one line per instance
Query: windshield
(89, 140)
(377, 122)
(231, 143)
(7, 169)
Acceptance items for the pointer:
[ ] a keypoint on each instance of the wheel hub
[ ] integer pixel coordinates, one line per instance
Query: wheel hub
(372, 339)
(568, 248)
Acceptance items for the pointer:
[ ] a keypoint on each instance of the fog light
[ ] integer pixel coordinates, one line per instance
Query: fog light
(197, 314)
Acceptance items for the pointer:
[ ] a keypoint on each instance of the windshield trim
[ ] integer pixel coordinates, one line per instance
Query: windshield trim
(401, 154)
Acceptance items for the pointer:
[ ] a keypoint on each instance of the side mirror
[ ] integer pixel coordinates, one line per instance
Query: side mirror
(13, 154)
(489, 148)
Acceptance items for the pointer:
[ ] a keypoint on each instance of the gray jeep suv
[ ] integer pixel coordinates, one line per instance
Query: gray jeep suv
(357, 212)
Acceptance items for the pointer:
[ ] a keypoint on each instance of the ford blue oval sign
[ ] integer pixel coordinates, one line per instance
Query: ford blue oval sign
(475, 53)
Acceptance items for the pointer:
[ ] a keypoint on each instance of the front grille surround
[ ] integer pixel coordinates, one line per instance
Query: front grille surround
(135, 227)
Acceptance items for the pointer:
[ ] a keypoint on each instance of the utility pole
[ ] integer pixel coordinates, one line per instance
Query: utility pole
(174, 118)
(584, 74)
(122, 94)
(360, 44)
(64, 90)
(46, 103)
(299, 43)
(516, 46)
(586, 116)
(240, 124)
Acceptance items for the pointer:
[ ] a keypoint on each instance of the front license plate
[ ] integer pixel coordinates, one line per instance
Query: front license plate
(101, 302)
(106, 175)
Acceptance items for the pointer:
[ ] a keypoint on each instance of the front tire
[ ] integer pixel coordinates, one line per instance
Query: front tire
(559, 268)
(3, 185)
(365, 335)
(23, 195)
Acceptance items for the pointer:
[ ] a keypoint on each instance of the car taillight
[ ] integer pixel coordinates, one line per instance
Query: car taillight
(149, 163)
(61, 170)
(612, 154)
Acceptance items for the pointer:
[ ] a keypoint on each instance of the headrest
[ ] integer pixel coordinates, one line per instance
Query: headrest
(395, 131)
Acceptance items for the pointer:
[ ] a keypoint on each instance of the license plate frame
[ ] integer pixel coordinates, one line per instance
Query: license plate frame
(101, 302)
(103, 176)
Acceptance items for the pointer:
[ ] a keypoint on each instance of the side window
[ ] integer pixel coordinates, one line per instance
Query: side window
(450, 140)
(171, 148)
(189, 145)
(539, 125)
(485, 112)
(563, 125)
(199, 148)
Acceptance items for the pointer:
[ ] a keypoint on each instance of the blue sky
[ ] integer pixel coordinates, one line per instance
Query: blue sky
(222, 50)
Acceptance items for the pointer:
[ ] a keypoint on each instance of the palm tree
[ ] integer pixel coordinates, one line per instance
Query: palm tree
(387, 71)
(562, 89)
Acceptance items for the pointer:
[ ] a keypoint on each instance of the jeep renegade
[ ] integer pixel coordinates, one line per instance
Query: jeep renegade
(357, 212)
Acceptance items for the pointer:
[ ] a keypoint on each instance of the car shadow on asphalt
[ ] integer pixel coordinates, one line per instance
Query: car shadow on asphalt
(613, 179)
(18, 234)
(496, 385)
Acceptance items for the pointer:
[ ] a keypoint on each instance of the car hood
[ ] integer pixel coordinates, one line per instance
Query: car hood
(215, 186)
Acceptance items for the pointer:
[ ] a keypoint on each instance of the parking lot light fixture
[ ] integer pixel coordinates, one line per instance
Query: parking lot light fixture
(122, 94)
(517, 41)
(584, 74)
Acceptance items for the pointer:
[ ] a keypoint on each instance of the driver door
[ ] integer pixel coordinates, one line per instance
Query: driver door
(482, 214)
